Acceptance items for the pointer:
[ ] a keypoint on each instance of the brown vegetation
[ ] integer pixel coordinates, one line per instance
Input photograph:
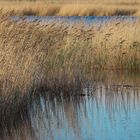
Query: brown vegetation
(70, 8)
(56, 56)
(34, 55)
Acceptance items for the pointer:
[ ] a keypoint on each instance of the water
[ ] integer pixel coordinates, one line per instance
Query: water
(88, 20)
(107, 108)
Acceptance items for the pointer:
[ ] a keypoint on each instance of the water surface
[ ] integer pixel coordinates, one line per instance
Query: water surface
(106, 108)
(87, 20)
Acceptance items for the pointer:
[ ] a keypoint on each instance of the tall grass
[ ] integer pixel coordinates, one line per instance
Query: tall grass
(34, 55)
(64, 8)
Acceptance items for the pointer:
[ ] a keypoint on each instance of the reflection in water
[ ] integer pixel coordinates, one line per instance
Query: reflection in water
(101, 112)
(104, 115)
(104, 107)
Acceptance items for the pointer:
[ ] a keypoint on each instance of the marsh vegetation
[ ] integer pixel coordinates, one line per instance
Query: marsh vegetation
(46, 66)
(72, 8)
(36, 55)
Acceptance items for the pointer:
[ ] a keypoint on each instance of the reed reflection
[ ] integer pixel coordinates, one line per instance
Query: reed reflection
(103, 107)
(99, 110)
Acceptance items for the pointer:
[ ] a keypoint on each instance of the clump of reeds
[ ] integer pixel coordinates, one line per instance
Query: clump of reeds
(34, 56)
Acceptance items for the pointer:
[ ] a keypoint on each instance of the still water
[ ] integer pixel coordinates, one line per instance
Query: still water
(71, 20)
(107, 108)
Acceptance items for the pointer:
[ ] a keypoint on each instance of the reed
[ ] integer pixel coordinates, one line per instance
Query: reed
(57, 56)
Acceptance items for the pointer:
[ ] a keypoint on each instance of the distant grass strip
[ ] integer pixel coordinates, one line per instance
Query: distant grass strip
(95, 8)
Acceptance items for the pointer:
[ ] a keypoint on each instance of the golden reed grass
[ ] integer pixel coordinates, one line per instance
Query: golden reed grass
(70, 8)
(57, 55)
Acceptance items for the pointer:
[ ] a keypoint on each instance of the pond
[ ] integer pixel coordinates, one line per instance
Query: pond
(106, 108)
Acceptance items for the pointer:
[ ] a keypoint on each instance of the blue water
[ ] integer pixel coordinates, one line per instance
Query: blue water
(75, 19)
(102, 116)
(106, 112)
